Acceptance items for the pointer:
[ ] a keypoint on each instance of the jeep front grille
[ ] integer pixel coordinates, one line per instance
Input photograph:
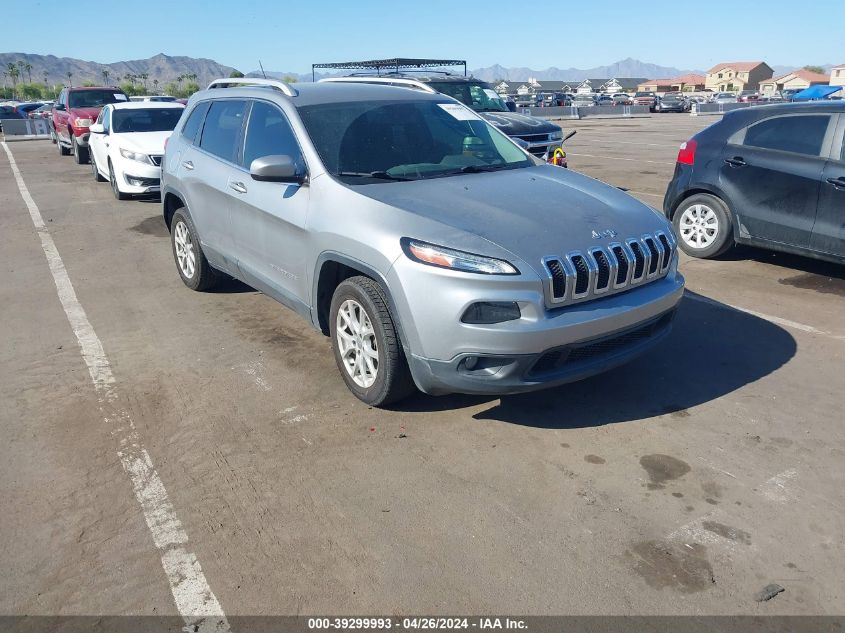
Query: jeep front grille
(580, 276)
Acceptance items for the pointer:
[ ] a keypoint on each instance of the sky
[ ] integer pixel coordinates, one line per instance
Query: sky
(288, 36)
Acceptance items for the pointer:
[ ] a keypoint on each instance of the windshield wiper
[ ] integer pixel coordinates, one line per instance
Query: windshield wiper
(381, 175)
(477, 169)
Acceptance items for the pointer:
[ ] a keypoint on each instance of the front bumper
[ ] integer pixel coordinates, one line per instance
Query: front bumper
(82, 135)
(437, 342)
(138, 178)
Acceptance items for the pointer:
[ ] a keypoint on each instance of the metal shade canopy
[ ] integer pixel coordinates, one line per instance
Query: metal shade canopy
(394, 64)
(815, 92)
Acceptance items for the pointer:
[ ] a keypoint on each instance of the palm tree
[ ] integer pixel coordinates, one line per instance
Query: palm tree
(14, 74)
(155, 84)
(179, 80)
(144, 77)
(69, 76)
(106, 74)
(28, 67)
(45, 77)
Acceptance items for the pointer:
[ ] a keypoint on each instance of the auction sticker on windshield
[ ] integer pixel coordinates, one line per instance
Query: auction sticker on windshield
(461, 113)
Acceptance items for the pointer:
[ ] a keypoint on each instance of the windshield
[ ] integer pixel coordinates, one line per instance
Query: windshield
(644, 94)
(94, 98)
(366, 141)
(478, 96)
(145, 120)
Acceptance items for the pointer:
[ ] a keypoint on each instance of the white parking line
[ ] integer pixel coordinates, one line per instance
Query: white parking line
(795, 325)
(633, 160)
(195, 601)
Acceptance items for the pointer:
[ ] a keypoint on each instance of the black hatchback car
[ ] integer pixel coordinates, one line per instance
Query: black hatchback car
(770, 176)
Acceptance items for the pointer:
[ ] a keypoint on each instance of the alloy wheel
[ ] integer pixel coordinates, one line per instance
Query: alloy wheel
(185, 254)
(356, 340)
(698, 226)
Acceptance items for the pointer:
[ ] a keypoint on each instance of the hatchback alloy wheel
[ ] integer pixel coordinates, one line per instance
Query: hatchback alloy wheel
(356, 339)
(699, 226)
(184, 245)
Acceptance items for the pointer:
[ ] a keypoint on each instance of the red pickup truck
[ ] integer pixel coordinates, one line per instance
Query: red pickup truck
(74, 112)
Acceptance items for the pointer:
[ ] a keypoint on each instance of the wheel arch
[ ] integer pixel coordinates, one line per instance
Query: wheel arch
(712, 191)
(170, 203)
(330, 270)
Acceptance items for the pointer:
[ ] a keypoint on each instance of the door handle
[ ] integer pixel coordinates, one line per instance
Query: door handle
(237, 186)
(839, 183)
(187, 164)
(736, 161)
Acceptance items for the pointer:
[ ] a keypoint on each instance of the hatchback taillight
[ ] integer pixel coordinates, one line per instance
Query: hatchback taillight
(686, 155)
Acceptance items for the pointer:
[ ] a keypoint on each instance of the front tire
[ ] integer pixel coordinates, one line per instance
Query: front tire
(63, 151)
(193, 267)
(80, 154)
(703, 225)
(98, 177)
(366, 345)
(115, 187)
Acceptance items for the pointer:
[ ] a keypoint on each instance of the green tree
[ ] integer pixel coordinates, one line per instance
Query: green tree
(190, 88)
(106, 74)
(28, 68)
(289, 79)
(13, 73)
(171, 89)
(155, 84)
(235, 74)
(815, 69)
(31, 91)
(143, 77)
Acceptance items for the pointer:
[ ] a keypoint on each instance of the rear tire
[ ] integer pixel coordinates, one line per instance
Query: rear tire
(193, 267)
(366, 346)
(704, 226)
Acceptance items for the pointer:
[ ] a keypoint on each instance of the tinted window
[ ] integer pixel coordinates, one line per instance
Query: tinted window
(799, 134)
(268, 133)
(194, 122)
(146, 119)
(106, 119)
(94, 98)
(222, 129)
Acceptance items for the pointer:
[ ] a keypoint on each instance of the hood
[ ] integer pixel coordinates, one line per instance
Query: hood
(144, 142)
(85, 113)
(532, 212)
(512, 124)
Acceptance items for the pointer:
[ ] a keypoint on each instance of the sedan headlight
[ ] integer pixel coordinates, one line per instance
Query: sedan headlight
(141, 158)
(83, 122)
(556, 136)
(443, 257)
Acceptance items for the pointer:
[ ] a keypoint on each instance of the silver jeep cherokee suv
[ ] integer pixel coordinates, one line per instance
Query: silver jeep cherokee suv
(433, 250)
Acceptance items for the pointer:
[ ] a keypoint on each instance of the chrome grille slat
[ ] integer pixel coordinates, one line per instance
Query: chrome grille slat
(582, 275)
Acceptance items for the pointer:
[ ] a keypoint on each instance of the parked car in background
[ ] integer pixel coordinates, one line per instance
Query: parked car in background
(724, 97)
(526, 101)
(649, 99)
(8, 111)
(770, 176)
(605, 100)
(621, 98)
(789, 93)
(25, 108)
(772, 98)
(159, 98)
(42, 112)
(584, 100)
(747, 96)
(547, 99)
(541, 275)
(127, 144)
(537, 136)
(672, 102)
(74, 112)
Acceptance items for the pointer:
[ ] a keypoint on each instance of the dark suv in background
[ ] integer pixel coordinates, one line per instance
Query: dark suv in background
(770, 176)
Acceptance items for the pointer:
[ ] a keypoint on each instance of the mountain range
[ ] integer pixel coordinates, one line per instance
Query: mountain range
(164, 68)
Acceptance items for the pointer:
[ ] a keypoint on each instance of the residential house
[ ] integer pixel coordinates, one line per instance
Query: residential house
(737, 76)
(610, 86)
(837, 76)
(684, 83)
(797, 79)
(532, 86)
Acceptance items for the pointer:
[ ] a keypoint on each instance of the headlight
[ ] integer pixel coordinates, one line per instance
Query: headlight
(556, 136)
(141, 158)
(443, 257)
(83, 122)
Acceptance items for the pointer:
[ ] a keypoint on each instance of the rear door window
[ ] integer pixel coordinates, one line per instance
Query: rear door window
(799, 134)
(194, 122)
(222, 130)
(268, 133)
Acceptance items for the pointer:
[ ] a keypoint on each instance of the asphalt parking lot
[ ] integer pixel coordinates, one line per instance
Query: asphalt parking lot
(682, 483)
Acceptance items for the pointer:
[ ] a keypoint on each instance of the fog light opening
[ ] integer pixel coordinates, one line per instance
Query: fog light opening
(490, 312)
(470, 362)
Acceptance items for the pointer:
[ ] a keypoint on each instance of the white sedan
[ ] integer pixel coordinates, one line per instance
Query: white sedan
(127, 144)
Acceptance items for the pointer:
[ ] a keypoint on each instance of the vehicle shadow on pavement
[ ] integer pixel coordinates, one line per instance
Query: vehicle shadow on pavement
(711, 351)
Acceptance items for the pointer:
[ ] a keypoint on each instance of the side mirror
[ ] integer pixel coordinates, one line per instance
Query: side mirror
(276, 168)
(511, 106)
(59, 107)
(97, 128)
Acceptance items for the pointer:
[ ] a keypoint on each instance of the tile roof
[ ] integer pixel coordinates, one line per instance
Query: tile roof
(739, 66)
(803, 73)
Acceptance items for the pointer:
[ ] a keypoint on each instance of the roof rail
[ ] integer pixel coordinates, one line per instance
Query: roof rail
(281, 86)
(390, 81)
